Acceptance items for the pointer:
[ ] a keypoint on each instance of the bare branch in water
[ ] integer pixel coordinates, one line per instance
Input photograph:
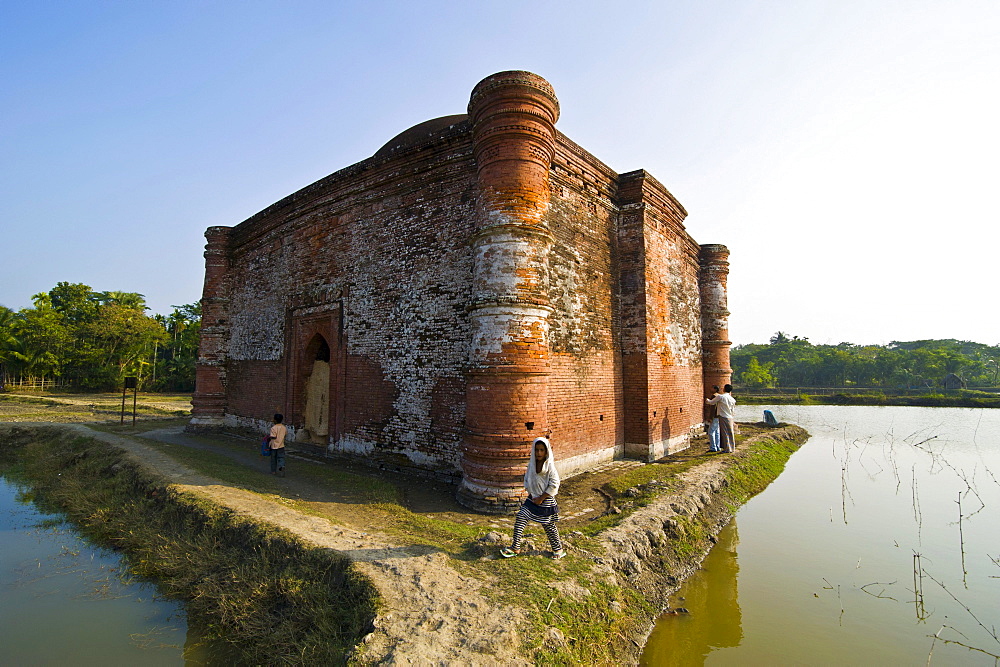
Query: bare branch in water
(879, 594)
(844, 492)
(992, 632)
(917, 514)
(933, 644)
(961, 544)
(918, 588)
(938, 638)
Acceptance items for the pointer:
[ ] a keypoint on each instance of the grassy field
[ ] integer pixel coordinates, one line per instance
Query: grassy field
(104, 407)
(962, 398)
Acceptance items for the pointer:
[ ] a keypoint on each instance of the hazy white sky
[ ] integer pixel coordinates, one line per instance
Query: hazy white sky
(847, 152)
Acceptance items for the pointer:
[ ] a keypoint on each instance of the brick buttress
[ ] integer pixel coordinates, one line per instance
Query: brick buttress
(513, 117)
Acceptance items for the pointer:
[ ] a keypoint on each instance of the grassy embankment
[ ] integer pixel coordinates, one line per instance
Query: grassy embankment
(963, 398)
(252, 591)
(595, 625)
(241, 580)
(598, 624)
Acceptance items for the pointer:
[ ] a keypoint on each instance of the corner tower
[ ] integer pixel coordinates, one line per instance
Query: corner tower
(208, 404)
(712, 277)
(513, 117)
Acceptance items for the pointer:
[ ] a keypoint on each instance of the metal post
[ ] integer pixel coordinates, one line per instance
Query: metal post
(133, 384)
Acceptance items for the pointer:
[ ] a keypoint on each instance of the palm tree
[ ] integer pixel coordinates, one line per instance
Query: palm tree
(7, 341)
(31, 361)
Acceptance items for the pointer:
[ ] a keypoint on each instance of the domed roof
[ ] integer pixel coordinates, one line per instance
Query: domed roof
(419, 132)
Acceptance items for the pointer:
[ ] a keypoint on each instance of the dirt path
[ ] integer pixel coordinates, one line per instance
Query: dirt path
(432, 614)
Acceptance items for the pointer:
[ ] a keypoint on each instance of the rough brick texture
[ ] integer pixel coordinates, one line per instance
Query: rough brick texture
(479, 281)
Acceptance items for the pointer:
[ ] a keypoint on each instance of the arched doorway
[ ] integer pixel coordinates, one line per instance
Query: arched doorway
(317, 390)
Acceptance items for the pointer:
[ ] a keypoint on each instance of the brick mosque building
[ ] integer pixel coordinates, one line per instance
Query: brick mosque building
(479, 281)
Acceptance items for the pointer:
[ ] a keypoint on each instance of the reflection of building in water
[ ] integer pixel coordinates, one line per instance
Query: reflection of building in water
(711, 597)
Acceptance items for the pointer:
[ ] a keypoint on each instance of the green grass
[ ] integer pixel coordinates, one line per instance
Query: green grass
(382, 500)
(750, 475)
(53, 406)
(965, 398)
(649, 482)
(33, 400)
(594, 625)
(358, 488)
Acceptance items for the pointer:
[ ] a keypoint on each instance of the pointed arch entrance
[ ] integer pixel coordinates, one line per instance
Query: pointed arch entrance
(315, 376)
(317, 390)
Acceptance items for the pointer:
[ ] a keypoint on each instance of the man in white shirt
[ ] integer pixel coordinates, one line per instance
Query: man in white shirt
(726, 406)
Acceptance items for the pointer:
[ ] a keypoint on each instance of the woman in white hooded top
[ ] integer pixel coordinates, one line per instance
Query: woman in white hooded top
(541, 481)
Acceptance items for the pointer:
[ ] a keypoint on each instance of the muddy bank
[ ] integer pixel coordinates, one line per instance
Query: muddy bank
(463, 605)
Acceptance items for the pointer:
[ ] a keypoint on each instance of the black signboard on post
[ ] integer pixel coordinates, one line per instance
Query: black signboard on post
(133, 384)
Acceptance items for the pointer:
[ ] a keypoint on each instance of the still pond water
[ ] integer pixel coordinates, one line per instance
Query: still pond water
(881, 533)
(64, 601)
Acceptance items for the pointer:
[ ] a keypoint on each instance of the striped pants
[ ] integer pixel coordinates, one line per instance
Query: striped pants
(548, 523)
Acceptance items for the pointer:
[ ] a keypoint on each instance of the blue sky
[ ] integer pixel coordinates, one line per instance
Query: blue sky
(846, 152)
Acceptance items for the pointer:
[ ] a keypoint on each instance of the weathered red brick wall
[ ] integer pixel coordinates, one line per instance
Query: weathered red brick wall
(661, 316)
(675, 373)
(256, 388)
(585, 389)
(406, 326)
(375, 258)
(714, 260)
(209, 400)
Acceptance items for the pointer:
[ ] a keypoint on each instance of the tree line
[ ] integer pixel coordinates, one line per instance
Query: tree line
(92, 340)
(790, 361)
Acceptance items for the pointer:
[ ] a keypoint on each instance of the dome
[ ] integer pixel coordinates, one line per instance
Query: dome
(419, 132)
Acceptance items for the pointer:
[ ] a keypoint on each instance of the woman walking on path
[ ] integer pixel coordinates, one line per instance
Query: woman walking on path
(541, 481)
